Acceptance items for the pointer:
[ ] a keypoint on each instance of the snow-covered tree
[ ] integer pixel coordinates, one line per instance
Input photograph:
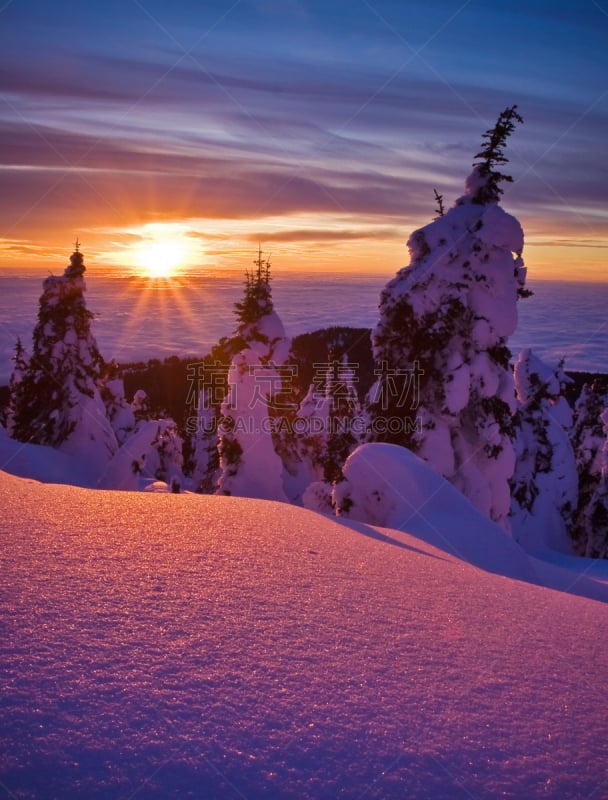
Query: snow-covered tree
(596, 513)
(325, 432)
(344, 410)
(249, 464)
(205, 445)
(15, 387)
(491, 158)
(544, 483)
(444, 386)
(153, 452)
(312, 433)
(259, 326)
(589, 439)
(58, 402)
(120, 412)
(142, 408)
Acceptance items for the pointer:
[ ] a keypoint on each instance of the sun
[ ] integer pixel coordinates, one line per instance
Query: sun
(164, 254)
(160, 259)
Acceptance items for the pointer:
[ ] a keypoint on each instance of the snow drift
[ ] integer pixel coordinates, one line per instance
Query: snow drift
(388, 485)
(186, 646)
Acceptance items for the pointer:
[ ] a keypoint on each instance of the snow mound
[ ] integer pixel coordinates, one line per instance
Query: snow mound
(45, 464)
(388, 485)
(171, 646)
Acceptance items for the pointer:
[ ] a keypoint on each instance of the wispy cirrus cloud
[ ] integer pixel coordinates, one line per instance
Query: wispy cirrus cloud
(136, 114)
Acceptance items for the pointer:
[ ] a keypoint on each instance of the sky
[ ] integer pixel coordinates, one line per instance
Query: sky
(192, 131)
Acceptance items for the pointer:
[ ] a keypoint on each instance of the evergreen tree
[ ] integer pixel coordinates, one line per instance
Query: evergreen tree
(311, 441)
(589, 437)
(58, 402)
(142, 408)
(153, 452)
(258, 325)
(440, 210)
(596, 513)
(344, 409)
(249, 463)
(168, 445)
(15, 387)
(444, 386)
(205, 445)
(487, 174)
(544, 483)
(120, 413)
(257, 299)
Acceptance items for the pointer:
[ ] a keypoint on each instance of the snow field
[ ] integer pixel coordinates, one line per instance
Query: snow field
(166, 646)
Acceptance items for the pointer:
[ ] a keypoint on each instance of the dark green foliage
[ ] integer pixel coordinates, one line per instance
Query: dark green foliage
(65, 362)
(329, 344)
(588, 437)
(491, 157)
(500, 354)
(407, 341)
(541, 446)
(344, 406)
(230, 451)
(257, 299)
(597, 521)
(440, 210)
(16, 398)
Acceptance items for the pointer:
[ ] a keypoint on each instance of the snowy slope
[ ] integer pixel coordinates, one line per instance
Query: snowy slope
(160, 646)
(45, 463)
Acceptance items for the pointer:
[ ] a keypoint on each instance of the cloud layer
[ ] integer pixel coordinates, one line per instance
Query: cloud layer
(118, 114)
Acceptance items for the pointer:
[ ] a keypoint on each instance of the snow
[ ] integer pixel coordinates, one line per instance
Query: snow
(501, 230)
(391, 487)
(267, 338)
(452, 311)
(92, 439)
(58, 400)
(545, 471)
(257, 470)
(171, 646)
(146, 454)
(44, 463)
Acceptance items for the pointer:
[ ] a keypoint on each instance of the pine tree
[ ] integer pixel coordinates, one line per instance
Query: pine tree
(589, 437)
(58, 402)
(152, 452)
(544, 483)
(168, 445)
(205, 445)
(142, 408)
(311, 440)
(249, 463)
(492, 157)
(344, 408)
(444, 386)
(257, 300)
(120, 413)
(596, 513)
(15, 388)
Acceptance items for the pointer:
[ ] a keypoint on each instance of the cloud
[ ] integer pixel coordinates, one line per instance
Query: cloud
(321, 115)
(327, 235)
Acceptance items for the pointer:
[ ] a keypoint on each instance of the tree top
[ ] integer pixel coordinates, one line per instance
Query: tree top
(491, 157)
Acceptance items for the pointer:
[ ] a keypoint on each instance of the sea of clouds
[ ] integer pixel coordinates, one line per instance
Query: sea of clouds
(137, 318)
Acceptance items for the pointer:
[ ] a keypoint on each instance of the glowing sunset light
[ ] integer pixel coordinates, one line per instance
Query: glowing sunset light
(163, 251)
(159, 260)
(323, 138)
